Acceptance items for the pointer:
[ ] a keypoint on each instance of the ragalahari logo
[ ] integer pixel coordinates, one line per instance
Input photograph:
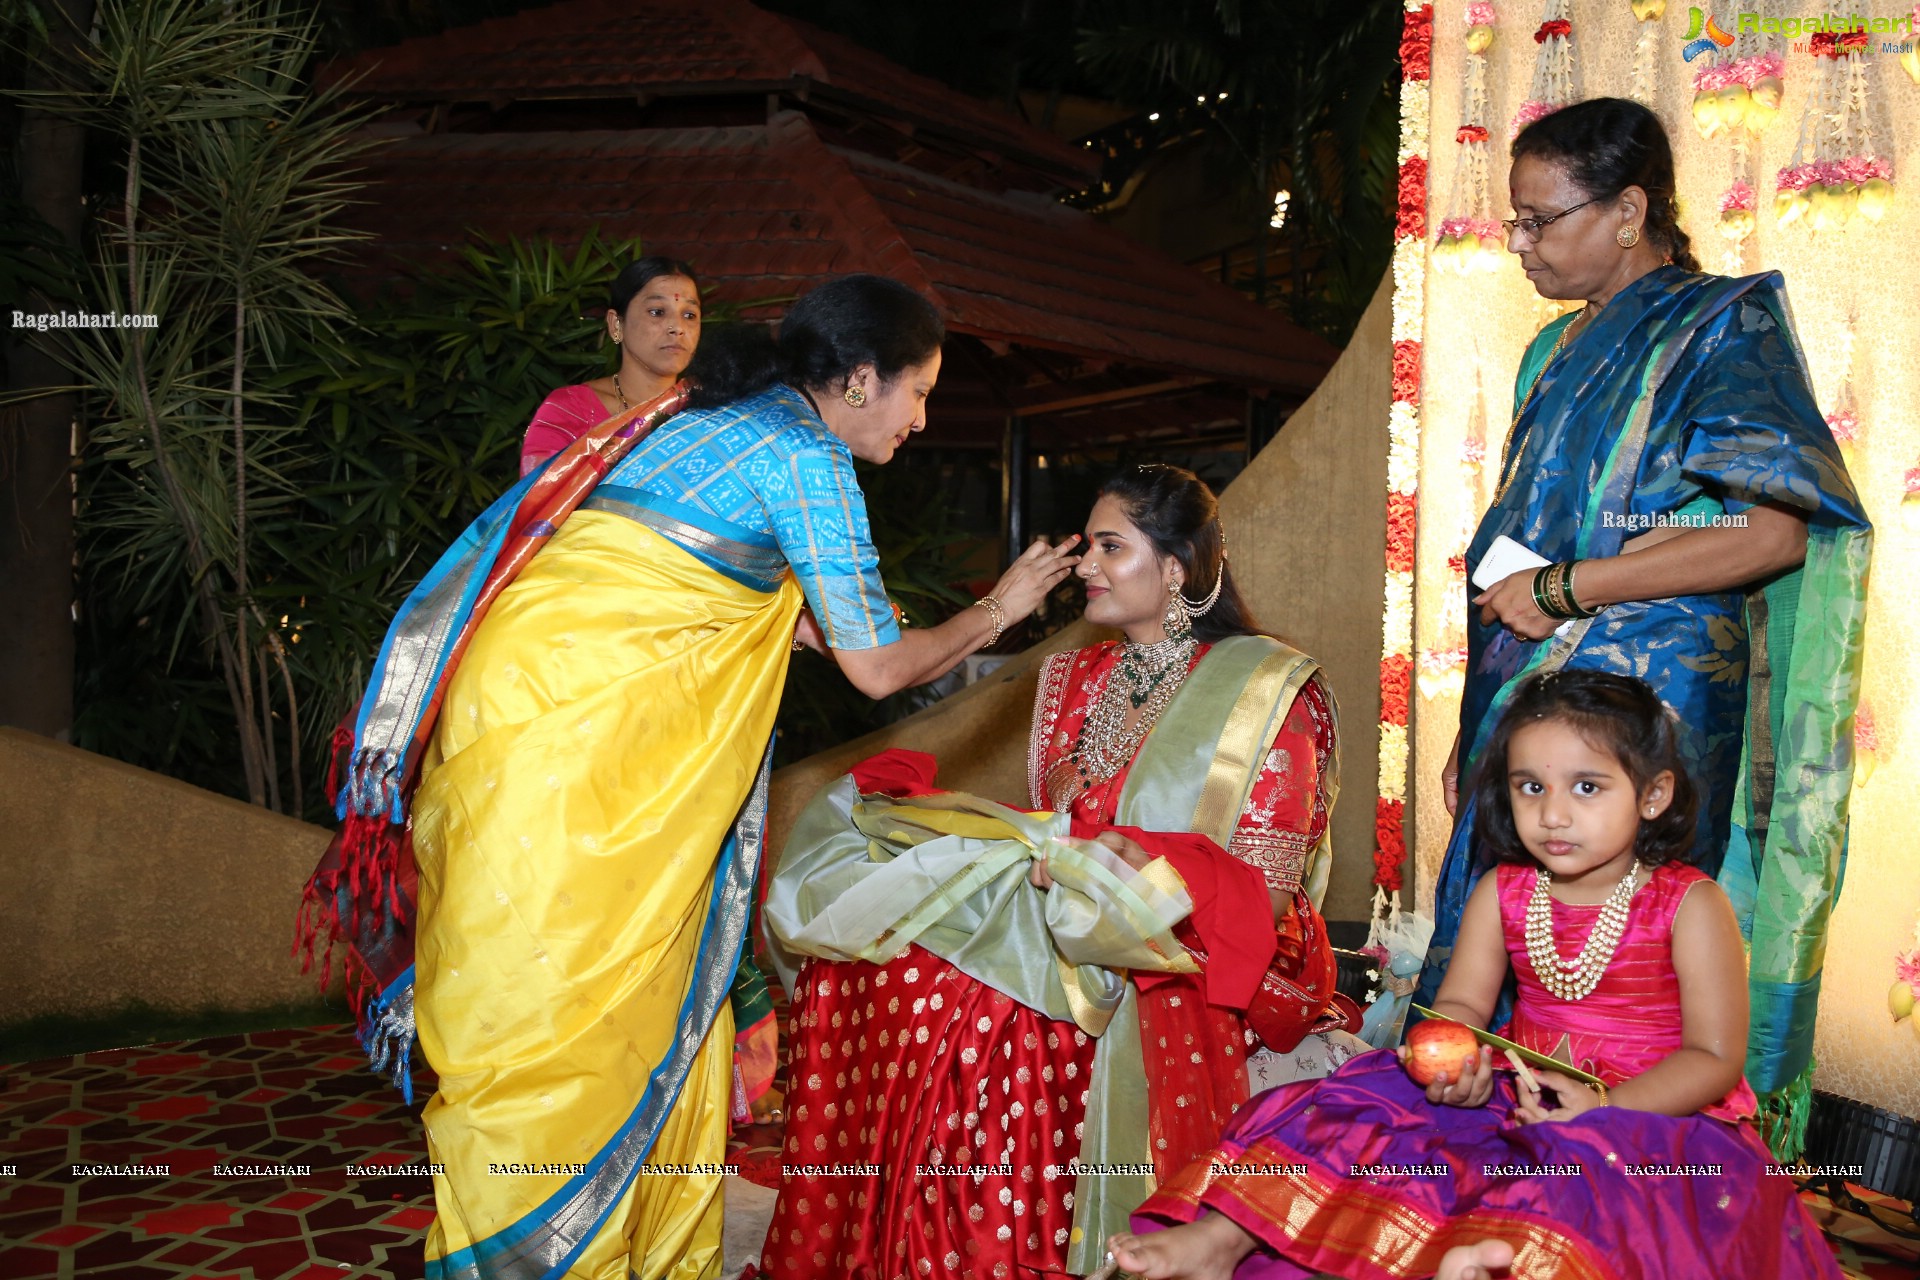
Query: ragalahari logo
(1703, 35)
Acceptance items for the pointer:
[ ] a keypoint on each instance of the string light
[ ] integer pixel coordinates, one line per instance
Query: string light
(1279, 219)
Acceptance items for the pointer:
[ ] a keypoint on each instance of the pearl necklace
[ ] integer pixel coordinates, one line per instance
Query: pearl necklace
(1144, 681)
(1575, 979)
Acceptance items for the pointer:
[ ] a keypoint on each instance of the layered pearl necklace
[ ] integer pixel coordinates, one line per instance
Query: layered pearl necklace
(1143, 681)
(1575, 979)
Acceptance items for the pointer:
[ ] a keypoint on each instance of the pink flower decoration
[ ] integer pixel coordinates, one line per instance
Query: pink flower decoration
(1854, 169)
(1743, 71)
(1845, 425)
(1738, 196)
(1912, 484)
(1865, 736)
(1442, 660)
(1715, 75)
(1480, 14)
(1459, 228)
(1906, 968)
(1530, 110)
(1473, 451)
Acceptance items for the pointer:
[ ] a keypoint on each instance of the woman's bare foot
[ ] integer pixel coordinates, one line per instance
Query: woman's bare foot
(1475, 1261)
(1206, 1249)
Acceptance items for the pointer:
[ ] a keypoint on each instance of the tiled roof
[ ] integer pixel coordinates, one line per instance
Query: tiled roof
(643, 49)
(763, 212)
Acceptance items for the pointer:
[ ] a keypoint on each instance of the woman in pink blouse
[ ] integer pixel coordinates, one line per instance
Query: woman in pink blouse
(653, 316)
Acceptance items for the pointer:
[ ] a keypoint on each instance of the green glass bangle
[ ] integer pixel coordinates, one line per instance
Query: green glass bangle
(1541, 594)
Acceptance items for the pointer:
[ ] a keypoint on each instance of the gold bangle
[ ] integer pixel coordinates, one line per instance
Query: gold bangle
(999, 615)
(1573, 597)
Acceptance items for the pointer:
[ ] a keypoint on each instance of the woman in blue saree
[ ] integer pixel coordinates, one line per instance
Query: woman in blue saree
(1668, 460)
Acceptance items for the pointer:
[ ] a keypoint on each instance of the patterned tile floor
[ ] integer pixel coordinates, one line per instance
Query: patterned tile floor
(289, 1098)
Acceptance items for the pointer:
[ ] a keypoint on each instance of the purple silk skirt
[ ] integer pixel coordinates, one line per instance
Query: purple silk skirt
(1358, 1175)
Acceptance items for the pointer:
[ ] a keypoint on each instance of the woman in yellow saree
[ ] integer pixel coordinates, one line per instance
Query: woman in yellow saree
(586, 826)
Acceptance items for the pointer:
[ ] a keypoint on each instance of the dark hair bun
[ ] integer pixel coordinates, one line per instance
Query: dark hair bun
(831, 331)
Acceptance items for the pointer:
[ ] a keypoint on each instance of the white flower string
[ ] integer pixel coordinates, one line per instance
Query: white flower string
(1556, 72)
(1737, 92)
(1838, 168)
(1470, 236)
(1646, 50)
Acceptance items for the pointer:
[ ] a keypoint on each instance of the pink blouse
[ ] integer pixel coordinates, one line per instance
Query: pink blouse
(562, 418)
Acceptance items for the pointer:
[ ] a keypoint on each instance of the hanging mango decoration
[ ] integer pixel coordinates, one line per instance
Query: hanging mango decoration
(1876, 195)
(1828, 193)
(1742, 94)
(1906, 986)
(1469, 244)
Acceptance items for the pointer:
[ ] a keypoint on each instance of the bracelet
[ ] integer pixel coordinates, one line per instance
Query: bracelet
(1558, 592)
(1553, 592)
(1541, 600)
(1573, 602)
(999, 615)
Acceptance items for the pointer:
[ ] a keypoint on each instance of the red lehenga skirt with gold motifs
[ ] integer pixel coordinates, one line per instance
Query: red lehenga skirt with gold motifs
(868, 1100)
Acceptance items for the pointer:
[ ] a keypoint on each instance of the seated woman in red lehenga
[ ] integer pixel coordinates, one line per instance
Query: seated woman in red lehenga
(990, 995)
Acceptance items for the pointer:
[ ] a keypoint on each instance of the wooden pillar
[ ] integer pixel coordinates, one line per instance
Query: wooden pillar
(1263, 422)
(1013, 487)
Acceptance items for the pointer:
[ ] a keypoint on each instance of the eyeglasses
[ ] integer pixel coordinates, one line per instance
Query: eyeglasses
(1532, 227)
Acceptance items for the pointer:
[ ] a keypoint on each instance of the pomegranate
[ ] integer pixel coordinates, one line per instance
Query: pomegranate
(1437, 1047)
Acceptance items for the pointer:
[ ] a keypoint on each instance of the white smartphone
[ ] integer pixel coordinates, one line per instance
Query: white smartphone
(1504, 559)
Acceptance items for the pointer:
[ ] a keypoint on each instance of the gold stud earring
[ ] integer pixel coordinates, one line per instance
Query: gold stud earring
(854, 396)
(1627, 237)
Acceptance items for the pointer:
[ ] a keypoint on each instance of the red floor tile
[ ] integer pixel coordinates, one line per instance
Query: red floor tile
(185, 1219)
(179, 1107)
(70, 1234)
(410, 1219)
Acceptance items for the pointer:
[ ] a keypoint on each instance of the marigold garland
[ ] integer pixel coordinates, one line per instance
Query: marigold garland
(1412, 215)
(1406, 371)
(1403, 426)
(1416, 49)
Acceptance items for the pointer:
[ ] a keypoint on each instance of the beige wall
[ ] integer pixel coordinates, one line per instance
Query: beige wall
(1306, 529)
(119, 886)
